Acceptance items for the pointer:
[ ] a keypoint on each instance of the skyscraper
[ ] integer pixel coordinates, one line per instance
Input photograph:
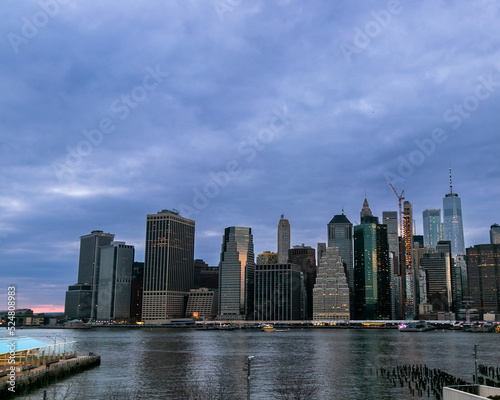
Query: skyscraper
(365, 211)
(433, 228)
(236, 274)
(168, 266)
(372, 274)
(438, 277)
(305, 257)
(390, 218)
(283, 240)
(410, 275)
(453, 225)
(483, 269)
(81, 298)
(331, 291)
(279, 292)
(88, 274)
(115, 282)
(495, 234)
(340, 236)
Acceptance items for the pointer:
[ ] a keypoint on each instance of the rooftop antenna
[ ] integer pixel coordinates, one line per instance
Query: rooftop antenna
(451, 186)
(342, 210)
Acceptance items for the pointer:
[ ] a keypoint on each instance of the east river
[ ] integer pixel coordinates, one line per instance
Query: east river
(339, 363)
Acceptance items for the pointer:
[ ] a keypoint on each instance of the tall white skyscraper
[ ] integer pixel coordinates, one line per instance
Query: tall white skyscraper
(283, 240)
(331, 291)
(452, 221)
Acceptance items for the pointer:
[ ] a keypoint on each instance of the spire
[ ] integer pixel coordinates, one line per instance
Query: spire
(366, 209)
(342, 210)
(451, 186)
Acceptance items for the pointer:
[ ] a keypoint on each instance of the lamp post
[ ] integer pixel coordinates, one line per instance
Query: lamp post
(249, 361)
(475, 365)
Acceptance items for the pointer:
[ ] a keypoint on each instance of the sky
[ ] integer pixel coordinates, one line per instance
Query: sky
(235, 112)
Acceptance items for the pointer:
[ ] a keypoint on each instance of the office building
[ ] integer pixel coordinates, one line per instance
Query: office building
(88, 272)
(137, 292)
(279, 292)
(236, 274)
(168, 266)
(331, 292)
(433, 228)
(372, 271)
(115, 282)
(205, 276)
(437, 266)
(452, 221)
(483, 269)
(283, 240)
(320, 250)
(202, 304)
(390, 218)
(495, 234)
(268, 257)
(78, 301)
(410, 275)
(305, 257)
(340, 236)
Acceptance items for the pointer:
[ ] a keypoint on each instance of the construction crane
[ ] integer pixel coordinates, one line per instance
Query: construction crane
(400, 197)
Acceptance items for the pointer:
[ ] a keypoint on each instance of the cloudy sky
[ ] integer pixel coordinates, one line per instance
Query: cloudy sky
(235, 112)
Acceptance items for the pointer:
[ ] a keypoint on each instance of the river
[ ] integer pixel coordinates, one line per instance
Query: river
(337, 363)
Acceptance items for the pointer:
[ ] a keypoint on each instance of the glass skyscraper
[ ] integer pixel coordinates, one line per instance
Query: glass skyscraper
(372, 274)
(236, 273)
(433, 228)
(168, 266)
(115, 282)
(452, 220)
(88, 276)
(279, 292)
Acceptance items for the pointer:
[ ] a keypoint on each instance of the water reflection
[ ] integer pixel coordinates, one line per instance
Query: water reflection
(165, 363)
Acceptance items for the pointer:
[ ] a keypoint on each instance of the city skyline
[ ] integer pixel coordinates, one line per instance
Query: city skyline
(234, 117)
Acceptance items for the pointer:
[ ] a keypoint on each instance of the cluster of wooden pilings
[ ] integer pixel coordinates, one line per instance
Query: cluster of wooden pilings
(420, 380)
(488, 375)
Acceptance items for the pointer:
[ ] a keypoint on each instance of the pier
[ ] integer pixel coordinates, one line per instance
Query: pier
(28, 364)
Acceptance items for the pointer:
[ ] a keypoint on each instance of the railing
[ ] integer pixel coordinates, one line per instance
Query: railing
(52, 367)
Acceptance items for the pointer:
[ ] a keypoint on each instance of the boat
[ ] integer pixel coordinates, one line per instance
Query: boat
(421, 326)
(268, 328)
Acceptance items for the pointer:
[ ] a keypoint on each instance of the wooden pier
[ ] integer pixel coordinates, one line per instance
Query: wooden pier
(29, 380)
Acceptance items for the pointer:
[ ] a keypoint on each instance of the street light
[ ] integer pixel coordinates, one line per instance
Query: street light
(249, 361)
(475, 365)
